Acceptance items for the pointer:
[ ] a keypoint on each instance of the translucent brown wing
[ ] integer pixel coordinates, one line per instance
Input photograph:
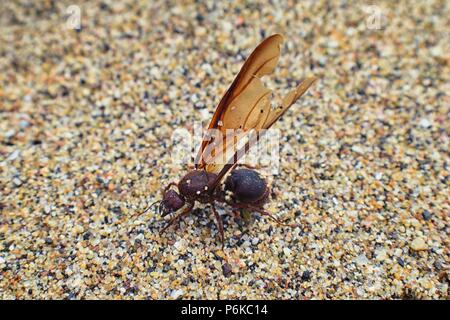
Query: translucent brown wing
(239, 107)
(273, 116)
(288, 101)
(245, 105)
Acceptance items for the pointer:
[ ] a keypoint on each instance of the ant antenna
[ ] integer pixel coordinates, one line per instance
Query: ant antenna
(150, 206)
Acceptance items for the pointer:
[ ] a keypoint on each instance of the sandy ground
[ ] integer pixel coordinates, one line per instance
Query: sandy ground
(86, 118)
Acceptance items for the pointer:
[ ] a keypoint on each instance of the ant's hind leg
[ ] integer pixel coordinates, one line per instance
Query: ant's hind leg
(177, 217)
(260, 211)
(265, 213)
(219, 224)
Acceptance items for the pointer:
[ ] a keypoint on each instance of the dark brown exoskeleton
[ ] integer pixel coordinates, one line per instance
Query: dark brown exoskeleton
(194, 186)
(247, 186)
(245, 106)
(249, 191)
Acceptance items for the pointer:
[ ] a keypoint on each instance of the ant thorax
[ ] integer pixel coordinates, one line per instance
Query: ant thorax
(197, 185)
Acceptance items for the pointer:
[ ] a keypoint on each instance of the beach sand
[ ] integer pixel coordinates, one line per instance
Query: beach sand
(87, 115)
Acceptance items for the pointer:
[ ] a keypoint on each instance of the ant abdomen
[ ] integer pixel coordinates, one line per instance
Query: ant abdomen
(247, 186)
(196, 185)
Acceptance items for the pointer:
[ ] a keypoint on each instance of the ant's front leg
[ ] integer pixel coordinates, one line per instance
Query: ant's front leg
(178, 216)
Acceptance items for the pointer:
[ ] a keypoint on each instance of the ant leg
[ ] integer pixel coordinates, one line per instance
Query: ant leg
(219, 224)
(262, 212)
(219, 198)
(235, 214)
(265, 213)
(177, 217)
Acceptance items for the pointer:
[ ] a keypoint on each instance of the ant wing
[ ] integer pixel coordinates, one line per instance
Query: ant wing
(272, 116)
(246, 103)
(244, 109)
(288, 101)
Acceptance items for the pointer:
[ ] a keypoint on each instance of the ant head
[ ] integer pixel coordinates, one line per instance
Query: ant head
(171, 202)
